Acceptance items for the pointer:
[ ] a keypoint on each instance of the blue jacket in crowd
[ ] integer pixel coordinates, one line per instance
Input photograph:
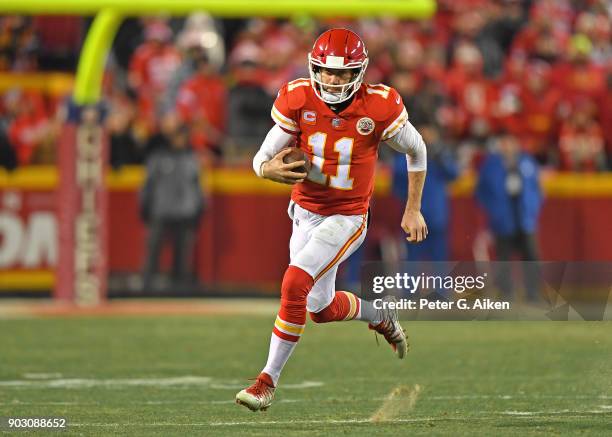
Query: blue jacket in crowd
(506, 215)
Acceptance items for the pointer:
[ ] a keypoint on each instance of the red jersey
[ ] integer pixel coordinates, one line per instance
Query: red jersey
(538, 119)
(581, 148)
(343, 147)
(202, 101)
(152, 66)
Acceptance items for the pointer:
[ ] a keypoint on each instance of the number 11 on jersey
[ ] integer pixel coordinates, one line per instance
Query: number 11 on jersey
(344, 147)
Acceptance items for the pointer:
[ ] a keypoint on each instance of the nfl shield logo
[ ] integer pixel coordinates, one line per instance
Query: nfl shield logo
(338, 123)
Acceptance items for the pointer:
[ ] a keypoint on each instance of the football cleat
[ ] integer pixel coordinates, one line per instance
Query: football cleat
(392, 330)
(259, 396)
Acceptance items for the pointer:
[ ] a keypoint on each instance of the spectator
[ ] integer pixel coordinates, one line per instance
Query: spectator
(470, 27)
(505, 20)
(542, 38)
(279, 51)
(407, 83)
(171, 203)
(508, 189)
(430, 105)
(602, 41)
(579, 78)
(249, 104)
(18, 44)
(472, 93)
(8, 160)
(382, 62)
(539, 111)
(202, 27)
(198, 41)
(434, 62)
(202, 102)
(507, 109)
(151, 68)
(124, 147)
(407, 76)
(605, 114)
(29, 130)
(129, 37)
(581, 145)
(58, 50)
(597, 29)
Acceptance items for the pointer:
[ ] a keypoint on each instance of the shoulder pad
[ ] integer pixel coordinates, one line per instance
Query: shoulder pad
(382, 101)
(296, 93)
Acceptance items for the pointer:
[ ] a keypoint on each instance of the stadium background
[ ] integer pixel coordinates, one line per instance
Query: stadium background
(468, 71)
(172, 367)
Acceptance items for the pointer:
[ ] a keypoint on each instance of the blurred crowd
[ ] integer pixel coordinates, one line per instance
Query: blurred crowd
(540, 70)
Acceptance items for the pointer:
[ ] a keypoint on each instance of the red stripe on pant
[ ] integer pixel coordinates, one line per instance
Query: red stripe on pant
(294, 290)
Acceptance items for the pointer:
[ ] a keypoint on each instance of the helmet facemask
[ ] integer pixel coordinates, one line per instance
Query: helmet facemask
(334, 94)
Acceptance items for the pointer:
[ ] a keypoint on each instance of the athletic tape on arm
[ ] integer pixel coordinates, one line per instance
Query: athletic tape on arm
(275, 140)
(409, 141)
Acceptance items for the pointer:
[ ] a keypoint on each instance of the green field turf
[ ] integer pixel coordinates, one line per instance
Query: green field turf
(161, 376)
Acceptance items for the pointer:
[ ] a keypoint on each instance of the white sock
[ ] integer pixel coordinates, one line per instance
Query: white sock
(368, 313)
(280, 351)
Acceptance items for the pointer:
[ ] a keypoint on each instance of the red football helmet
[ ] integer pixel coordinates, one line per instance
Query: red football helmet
(337, 49)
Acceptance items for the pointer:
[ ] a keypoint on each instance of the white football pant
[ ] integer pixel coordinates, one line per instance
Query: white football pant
(319, 244)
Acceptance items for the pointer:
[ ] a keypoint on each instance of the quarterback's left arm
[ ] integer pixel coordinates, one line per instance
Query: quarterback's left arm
(408, 140)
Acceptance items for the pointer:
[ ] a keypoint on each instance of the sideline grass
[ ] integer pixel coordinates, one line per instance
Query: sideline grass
(130, 376)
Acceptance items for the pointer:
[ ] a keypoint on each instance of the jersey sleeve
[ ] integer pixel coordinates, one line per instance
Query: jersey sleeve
(398, 116)
(282, 113)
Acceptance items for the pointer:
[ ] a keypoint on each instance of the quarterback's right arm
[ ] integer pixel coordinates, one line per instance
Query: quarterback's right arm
(268, 161)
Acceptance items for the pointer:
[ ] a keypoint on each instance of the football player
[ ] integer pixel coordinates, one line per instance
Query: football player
(338, 122)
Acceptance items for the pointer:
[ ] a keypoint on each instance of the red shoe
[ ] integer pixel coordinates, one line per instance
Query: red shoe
(258, 396)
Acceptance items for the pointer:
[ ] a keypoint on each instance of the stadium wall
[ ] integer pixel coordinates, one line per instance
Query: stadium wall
(247, 218)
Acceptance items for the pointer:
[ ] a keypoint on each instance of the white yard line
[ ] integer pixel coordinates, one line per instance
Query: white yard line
(14, 403)
(42, 375)
(517, 396)
(112, 382)
(267, 422)
(545, 413)
(187, 380)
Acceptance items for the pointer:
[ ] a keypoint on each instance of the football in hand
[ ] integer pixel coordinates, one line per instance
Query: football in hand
(297, 155)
